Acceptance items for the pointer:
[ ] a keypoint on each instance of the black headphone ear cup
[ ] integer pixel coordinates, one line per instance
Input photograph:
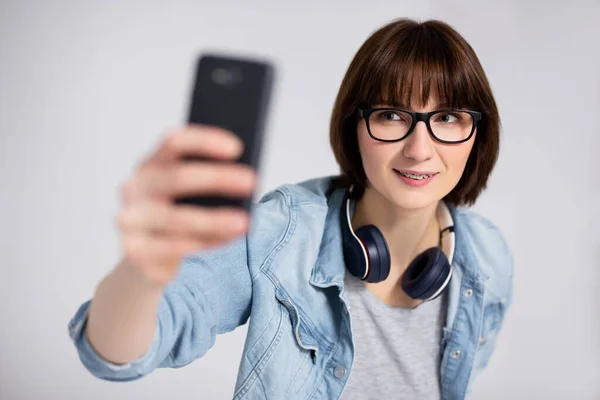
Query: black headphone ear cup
(439, 285)
(378, 252)
(354, 257)
(426, 275)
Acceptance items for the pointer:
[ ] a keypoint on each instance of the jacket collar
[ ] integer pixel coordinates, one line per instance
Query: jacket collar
(329, 268)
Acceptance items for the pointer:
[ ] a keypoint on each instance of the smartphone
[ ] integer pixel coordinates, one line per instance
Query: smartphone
(232, 93)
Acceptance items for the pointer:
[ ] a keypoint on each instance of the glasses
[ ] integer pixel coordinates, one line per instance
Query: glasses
(394, 124)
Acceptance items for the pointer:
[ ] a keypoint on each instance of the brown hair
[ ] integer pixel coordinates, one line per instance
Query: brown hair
(429, 57)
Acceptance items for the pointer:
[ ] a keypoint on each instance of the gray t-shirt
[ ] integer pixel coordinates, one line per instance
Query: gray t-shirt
(397, 350)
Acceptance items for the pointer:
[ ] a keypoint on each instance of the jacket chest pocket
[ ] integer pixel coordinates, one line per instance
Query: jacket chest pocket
(492, 321)
(486, 342)
(282, 358)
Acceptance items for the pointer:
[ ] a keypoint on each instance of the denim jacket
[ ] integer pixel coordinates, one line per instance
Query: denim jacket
(285, 278)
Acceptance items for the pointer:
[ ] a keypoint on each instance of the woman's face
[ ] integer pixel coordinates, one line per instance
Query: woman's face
(385, 163)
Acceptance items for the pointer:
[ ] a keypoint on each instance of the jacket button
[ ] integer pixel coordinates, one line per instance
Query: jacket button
(481, 340)
(455, 354)
(469, 292)
(339, 372)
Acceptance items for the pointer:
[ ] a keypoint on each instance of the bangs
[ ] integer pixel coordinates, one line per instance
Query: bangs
(422, 65)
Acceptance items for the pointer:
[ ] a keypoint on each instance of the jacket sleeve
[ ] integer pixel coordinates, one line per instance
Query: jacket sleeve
(211, 295)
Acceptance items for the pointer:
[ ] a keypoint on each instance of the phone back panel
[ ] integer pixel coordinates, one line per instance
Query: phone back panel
(233, 94)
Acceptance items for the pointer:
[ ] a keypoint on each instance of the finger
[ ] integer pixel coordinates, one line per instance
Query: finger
(196, 222)
(131, 192)
(199, 141)
(197, 178)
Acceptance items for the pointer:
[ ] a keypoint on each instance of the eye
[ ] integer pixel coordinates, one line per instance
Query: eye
(447, 118)
(391, 116)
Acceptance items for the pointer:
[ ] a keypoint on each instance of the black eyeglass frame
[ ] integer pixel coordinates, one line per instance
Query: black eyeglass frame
(416, 117)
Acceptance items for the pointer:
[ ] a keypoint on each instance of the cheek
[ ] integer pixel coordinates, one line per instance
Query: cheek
(455, 159)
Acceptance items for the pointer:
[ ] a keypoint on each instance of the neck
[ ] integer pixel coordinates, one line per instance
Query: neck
(407, 232)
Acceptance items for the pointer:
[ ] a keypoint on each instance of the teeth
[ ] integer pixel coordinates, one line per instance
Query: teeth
(416, 176)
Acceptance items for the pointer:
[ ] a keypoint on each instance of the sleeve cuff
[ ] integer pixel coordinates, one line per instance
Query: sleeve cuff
(102, 368)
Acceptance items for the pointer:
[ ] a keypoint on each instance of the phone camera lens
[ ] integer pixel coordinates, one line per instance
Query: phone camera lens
(226, 76)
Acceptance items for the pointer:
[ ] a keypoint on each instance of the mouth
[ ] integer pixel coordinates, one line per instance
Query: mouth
(417, 175)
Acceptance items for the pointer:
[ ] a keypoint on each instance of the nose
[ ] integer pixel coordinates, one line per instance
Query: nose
(419, 145)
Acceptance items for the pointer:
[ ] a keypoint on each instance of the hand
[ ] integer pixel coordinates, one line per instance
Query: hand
(156, 232)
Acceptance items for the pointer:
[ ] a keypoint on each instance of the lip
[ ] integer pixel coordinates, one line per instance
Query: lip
(414, 182)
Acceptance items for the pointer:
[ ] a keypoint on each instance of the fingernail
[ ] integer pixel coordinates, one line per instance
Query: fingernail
(235, 146)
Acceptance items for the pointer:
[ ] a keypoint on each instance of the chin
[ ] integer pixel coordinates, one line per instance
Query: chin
(406, 197)
(410, 200)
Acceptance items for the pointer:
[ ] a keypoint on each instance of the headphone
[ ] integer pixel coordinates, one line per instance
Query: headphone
(367, 256)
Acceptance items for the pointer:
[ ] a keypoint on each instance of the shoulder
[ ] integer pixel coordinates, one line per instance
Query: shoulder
(314, 191)
(487, 249)
(287, 210)
(487, 239)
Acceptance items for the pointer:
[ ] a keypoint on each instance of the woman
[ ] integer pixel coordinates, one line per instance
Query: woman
(415, 130)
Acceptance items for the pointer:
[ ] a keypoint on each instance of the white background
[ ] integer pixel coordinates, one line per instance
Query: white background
(88, 87)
